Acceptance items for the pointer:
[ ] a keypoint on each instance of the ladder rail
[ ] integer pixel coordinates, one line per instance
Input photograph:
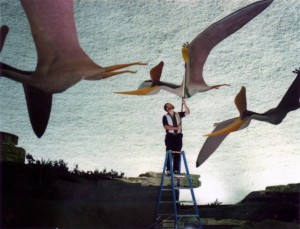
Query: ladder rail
(173, 189)
(178, 216)
(178, 180)
(160, 189)
(190, 184)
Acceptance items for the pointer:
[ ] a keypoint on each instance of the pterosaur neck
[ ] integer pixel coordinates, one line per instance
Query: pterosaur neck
(175, 90)
(247, 113)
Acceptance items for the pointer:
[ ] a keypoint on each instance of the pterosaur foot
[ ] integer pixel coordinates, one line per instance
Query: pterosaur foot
(119, 66)
(218, 86)
(110, 70)
(110, 74)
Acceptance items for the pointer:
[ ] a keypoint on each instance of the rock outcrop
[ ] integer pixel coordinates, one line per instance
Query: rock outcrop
(8, 149)
(154, 179)
(274, 207)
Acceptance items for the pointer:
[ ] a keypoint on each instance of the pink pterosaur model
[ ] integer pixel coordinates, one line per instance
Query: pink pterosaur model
(61, 61)
(196, 53)
(289, 102)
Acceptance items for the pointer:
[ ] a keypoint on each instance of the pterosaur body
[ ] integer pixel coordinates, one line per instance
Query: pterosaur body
(289, 102)
(196, 53)
(61, 61)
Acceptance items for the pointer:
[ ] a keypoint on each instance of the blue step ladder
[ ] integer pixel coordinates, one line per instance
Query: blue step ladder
(175, 218)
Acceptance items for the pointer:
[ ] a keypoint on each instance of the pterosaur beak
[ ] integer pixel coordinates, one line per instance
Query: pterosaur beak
(142, 91)
(148, 87)
(241, 104)
(236, 125)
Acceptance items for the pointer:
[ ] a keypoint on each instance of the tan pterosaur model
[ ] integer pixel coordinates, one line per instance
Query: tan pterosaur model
(196, 53)
(289, 102)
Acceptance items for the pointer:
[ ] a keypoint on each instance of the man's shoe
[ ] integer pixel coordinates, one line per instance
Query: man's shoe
(176, 172)
(168, 173)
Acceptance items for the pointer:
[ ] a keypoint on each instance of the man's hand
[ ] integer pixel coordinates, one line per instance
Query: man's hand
(179, 127)
(187, 110)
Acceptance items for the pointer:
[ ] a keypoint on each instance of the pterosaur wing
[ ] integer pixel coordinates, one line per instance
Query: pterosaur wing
(3, 33)
(212, 143)
(39, 103)
(39, 106)
(202, 45)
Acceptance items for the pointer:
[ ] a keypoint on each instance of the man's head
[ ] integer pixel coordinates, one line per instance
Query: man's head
(168, 107)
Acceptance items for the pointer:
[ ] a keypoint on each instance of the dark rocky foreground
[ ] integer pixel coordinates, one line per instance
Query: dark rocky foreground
(39, 196)
(48, 195)
(32, 197)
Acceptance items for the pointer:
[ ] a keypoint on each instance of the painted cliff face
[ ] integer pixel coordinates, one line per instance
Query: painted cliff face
(91, 126)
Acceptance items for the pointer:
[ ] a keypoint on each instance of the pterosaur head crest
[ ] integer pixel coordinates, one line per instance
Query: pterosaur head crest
(155, 73)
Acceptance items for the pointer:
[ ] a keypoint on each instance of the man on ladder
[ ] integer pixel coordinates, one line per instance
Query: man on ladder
(176, 218)
(173, 126)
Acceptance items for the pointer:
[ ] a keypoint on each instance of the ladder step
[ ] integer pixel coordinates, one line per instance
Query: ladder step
(180, 201)
(179, 215)
(178, 176)
(176, 188)
(191, 215)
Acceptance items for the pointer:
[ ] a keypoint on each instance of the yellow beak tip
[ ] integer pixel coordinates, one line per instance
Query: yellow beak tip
(207, 135)
(143, 91)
